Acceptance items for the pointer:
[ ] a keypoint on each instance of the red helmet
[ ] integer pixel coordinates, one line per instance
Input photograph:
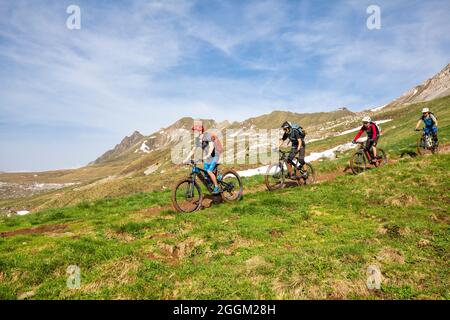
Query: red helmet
(198, 127)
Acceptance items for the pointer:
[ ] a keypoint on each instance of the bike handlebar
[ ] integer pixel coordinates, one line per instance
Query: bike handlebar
(192, 162)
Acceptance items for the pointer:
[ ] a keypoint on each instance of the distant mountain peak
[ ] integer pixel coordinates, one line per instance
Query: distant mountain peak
(136, 134)
(435, 87)
(124, 145)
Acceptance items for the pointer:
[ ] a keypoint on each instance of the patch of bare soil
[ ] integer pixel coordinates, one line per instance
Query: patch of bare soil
(391, 255)
(330, 175)
(238, 243)
(255, 263)
(153, 210)
(440, 218)
(276, 233)
(209, 200)
(444, 148)
(41, 229)
(161, 235)
(174, 253)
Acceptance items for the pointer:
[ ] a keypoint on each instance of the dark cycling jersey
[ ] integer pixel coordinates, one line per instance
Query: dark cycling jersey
(429, 121)
(293, 137)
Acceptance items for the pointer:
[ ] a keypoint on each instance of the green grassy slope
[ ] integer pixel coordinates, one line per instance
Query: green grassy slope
(398, 134)
(310, 242)
(276, 118)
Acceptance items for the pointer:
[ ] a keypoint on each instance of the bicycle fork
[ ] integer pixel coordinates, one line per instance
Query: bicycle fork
(190, 189)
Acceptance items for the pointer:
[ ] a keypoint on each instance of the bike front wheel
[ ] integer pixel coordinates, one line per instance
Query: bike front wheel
(382, 158)
(421, 146)
(426, 145)
(187, 196)
(358, 162)
(274, 178)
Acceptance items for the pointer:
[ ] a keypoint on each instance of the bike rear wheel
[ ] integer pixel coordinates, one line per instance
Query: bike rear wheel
(435, 148)
(426, 147)
(274, 178)
(358, 162)
(421, 149)
(187, 196)
(382, 158)
(231, 185)
(310, 177)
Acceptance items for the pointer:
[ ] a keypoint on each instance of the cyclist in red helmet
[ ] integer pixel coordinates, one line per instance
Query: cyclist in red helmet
(212, 147)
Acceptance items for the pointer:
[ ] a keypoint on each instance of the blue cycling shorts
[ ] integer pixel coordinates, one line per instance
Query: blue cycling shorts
(429, 130)
(209, 166)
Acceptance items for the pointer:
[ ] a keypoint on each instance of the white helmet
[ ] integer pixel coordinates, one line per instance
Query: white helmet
(425, 110)
(366, 119)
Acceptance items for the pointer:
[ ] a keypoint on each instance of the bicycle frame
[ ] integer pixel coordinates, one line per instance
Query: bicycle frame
(202, 176)
(284, 159)
(426, 138)
(365, 152)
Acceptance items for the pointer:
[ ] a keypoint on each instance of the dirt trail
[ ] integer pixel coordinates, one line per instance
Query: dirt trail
(444, 149)
(40, 229)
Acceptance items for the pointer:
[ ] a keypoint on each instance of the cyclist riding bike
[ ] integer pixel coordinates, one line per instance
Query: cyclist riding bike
(430, 123)
(212, 147)
(373, 134)
(296, 136)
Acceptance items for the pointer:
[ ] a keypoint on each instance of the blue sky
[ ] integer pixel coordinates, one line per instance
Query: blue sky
(66, 96)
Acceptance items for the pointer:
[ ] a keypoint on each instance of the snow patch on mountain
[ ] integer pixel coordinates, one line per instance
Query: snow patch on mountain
(378, 108)
(10, 190)
(151, 169)
(357, 128)
(143, 148)
(314, 156)
(329, 153)
(253, 172)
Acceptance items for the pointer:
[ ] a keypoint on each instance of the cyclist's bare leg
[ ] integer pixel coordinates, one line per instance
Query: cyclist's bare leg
(374, 150)
(213, 178)
(289, 166)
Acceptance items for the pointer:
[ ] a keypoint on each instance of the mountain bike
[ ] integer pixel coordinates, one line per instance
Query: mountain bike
(361, 160)
(426, 143)
(187, 196)
(277, 173)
